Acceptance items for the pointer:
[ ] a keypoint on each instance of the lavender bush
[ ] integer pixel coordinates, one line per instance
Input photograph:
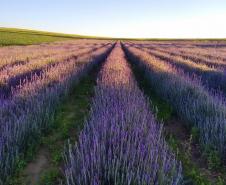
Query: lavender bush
(13, 75)
(212, 77)
(121, 142)
(191, 101)
(31, 109)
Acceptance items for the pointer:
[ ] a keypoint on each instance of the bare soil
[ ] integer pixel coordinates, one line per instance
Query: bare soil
(190, 147)
(35, 168)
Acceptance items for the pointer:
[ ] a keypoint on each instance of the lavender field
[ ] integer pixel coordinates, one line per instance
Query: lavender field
(113, 112)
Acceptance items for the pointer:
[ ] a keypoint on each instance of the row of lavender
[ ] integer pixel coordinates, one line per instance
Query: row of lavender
(121, 142)
(193, 50)
(20, 54)
(15, 73)
(213, 53)
(192, 102)
(212, 77)
(31, 109)
(190, 57)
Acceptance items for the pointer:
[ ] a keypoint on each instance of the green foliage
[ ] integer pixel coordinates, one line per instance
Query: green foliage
(195, 133)
(49, 177)
(68, 121)
(220, 181)
(196, 177)
(17, 179)
(193, 174)
(173, 143)
(20, 164)
(213, 159)
(191, 171)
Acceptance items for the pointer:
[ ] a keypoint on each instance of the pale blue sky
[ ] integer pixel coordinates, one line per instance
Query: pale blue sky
(119, 18)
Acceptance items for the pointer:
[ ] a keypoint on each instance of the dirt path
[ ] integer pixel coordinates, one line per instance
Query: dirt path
(35, 168)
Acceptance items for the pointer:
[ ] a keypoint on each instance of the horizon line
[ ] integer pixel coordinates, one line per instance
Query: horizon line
(110, 37)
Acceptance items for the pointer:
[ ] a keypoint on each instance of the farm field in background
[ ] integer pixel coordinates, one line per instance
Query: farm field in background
(14, 36)
(95, 111)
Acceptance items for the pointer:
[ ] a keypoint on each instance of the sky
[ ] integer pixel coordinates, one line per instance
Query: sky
(119, 18)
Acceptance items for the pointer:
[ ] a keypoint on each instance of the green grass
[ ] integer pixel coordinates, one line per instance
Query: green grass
(9, 38)
(23, 37)
(69, 121)
(14, 36)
